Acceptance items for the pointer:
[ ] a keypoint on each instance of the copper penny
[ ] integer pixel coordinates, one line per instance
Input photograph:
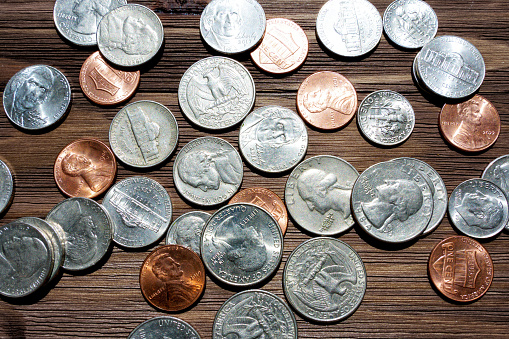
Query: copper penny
(460, 268)
(265, 199)
(85, 168)
(172, 278)
(327, 100)
(283, 49)
(104, 84)
(471, 126)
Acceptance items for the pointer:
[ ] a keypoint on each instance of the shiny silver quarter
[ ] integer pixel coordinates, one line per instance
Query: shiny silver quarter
(186, 230)
(164, 327)
(6, 186)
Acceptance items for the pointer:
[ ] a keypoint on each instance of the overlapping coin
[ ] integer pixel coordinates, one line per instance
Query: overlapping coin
(186, 230)
(163, 326)
(498, 172)
(6, 186)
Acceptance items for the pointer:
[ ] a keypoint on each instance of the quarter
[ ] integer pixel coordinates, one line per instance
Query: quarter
(162, 326)
(6, 186)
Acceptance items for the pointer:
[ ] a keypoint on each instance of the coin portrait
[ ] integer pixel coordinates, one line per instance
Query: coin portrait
(480, 210)
(224, 22)
(89, 13)
(131, 35)
(22, 256)
(469, 133)
(189, 232)
(77, 165)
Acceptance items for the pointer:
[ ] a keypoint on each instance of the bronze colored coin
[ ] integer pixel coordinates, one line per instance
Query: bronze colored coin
(265, 199)
(472, 126)
(283, 49)
(104, 84)
(327, 100)
(172, 278)
(85, 168)
(460, 268)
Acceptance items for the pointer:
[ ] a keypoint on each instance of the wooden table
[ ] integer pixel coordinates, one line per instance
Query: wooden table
(399, 301)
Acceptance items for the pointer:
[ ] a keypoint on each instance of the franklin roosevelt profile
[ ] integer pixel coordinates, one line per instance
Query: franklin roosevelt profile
(77, 165)
(480, 210)
(89, 13)
(189, 233)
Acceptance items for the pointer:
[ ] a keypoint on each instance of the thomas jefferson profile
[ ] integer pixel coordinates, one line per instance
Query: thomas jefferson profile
(189, 232)
(469, 132)
(276, 132)
(22, 256)
(223, 24)
(89, 13)
(337, 99)
(131, 35)
(81, 239)
(77, 165)
(479, 210)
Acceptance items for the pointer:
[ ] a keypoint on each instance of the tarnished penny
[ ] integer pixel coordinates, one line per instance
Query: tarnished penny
(327, 100)
(85, 168)
(460, 268)
(471, 126)
(105, 84)
(172, 278)
(283, 49)
(267, 200)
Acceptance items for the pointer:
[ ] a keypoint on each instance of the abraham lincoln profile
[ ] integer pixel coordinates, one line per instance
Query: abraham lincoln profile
(77, 165)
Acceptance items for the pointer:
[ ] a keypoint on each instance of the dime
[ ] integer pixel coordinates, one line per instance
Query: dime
(273, 139)
(242, 245)
(77, 20)
(471, 126)
(208, 171)
(478, 208)
(130, 35)
(216, 93)
(85, 168)
(186, 230)
(143, 134)
(318, 193)
(232, 26)
(460, 268)
(268, 317)
(284, 47)
(327, 100)
(324, 279)
(104, 84)
(386, 118)
(36, 97)
(267, 200)
(172, 278)
(498, 172)
(164, 327)
(140, 210)
(6, 186)
(349, 28)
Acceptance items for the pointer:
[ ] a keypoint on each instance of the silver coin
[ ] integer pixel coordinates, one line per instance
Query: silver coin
(450, 67)
(478, 208)
(392, 202)
(254, 314)
(410, 23)
(232, 26)
(498, 172)
(318, 192)
(386, 118)
(143, 134)
(130, 35)
(349, 28)
(273, 139)
(88, 231)
(186, 230)
(36, 97)
(164, 327)
(140, 209)
(242, 245)
(77, 20)
(208, 171)
(6, 186)
(324, 279)
(216, 93)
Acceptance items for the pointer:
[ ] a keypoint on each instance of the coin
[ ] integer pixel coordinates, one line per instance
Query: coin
(232, 26)
(284, 47)
(386, 118)
(186, 230)
(172, 278)
(36, 97)
(327, 100)
(273, 139)
(85, 168)
(216, 93)
(143, 134)
(266, 199)
(104, 84)
(324, 280)
(6, 186)
(164, 327)
(268, 317)
(498, 172)
(130, 35)
(207, 171)
(460, 268)
(471, 126)
(318, 192)
(242, 245)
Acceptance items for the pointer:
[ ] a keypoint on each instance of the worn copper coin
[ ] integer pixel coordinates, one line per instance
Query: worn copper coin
(267, 200)
(471, 126)
(105, 84)
(460, 268)
(85, 168)
(172, 277)
(327, 100)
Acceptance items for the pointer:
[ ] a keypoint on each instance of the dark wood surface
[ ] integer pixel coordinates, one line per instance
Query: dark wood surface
(399, 301)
